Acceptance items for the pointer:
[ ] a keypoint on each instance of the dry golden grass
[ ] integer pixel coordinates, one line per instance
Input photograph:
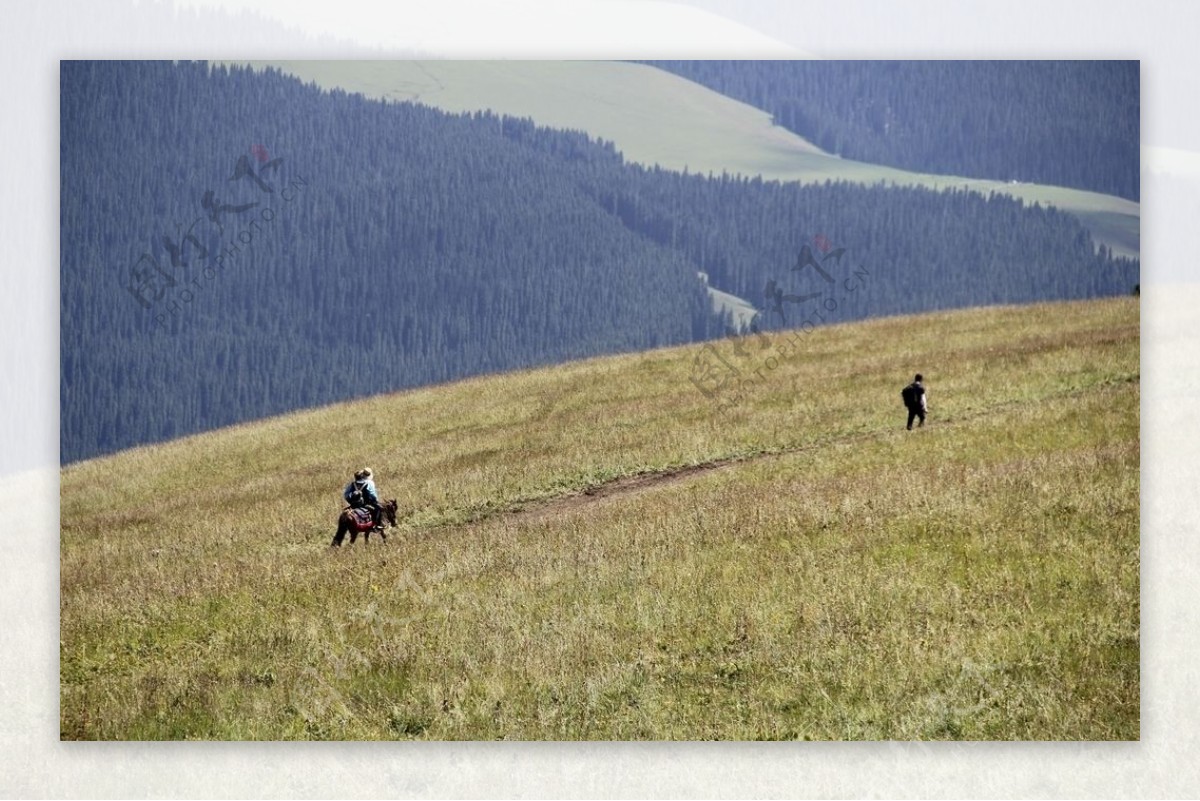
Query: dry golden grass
(839, 578)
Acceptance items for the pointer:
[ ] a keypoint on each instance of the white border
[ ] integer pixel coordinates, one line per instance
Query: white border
(34, 763)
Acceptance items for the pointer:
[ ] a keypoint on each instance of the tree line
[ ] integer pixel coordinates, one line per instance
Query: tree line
(237, 244)
(1064, 123)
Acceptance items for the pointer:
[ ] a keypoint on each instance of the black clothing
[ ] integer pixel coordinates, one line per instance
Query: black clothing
(914, 399)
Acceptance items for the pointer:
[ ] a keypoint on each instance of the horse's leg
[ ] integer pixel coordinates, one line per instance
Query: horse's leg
(340, 535)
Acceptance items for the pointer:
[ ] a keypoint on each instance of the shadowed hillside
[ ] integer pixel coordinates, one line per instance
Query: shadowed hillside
(675, 123)
(236, 244)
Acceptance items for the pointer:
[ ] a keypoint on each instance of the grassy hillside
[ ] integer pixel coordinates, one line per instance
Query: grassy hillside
(655, 117)
(598, 550)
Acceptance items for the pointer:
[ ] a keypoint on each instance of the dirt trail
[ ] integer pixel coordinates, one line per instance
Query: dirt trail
(629, 485)
(626, 485)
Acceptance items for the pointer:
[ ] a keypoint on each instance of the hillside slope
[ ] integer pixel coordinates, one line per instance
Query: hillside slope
(1063, 123)
(334, 247)
(657, 118)
(601, 550)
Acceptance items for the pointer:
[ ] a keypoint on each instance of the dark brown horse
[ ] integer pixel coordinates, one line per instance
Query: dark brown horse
(355, 522)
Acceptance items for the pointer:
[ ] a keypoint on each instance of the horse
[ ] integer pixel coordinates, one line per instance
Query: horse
(358, 520)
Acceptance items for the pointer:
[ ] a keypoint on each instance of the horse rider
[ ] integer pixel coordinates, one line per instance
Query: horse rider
(361, 493)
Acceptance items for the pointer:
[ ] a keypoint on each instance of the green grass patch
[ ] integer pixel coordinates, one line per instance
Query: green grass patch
(840, 579)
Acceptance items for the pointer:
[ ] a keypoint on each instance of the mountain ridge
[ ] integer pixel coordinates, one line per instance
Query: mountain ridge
(675, 128)
(340, 247)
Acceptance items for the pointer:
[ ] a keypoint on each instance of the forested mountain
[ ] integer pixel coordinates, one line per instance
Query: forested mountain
(1066, 123)
(237, 244)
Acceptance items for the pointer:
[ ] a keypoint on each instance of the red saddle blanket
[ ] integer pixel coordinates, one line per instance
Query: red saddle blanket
(362, 518)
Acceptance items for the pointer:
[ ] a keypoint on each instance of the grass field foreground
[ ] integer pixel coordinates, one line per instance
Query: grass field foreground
(835, 578)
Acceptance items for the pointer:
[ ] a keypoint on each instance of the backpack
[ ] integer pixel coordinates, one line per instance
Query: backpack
(911, 395)
(355, 496)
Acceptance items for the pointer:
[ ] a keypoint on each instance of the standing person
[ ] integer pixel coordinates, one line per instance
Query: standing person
(914, 401)
(361, 493)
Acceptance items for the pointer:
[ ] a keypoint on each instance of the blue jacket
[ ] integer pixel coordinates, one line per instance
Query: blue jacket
(368, 492)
